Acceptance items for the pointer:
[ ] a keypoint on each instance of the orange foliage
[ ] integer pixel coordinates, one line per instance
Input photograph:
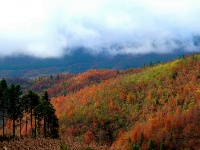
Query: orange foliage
(89, 136)
(9, 124)
(107, 101)
(23, 132)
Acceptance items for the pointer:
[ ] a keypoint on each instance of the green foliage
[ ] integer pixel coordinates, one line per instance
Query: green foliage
(29, 102)
(13, 94)
(192, 104)
(141, 139)
(45, 96)
(135, 147)
(64, 92)
(13, 105)
(63, 146)
(51, 77)
(162, 146)
(151, 145)
(185, 106)
(3, 100)
(173, 74)
(171, 136)
(45, 111)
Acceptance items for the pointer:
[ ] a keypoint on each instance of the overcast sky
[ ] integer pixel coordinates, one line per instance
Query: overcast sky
(51, 28)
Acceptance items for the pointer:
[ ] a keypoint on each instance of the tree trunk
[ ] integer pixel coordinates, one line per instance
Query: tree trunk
(20, 127)
(35, 127)
(26, 125)
(13, 128)
(48, 126)
(3, 121)
(45, 127)
(31, 123)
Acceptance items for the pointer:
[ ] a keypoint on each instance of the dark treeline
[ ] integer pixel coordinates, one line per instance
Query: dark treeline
(20, 109)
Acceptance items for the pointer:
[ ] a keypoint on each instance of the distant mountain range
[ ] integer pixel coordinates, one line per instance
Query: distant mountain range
(79, 61)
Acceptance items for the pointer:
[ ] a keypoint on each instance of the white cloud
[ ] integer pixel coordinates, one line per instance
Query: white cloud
(50, 28)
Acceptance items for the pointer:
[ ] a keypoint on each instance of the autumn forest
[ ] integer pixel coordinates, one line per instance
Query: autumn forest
(156, 107)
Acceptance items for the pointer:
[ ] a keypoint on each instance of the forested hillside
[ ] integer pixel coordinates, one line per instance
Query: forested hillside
(154, 107)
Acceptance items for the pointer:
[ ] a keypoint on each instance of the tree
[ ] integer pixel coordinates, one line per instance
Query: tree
(141, 139)
(3, 87)
(151, 145)
(54, 127)
(30, 101)
(46, 112)
(13, 94)
(45, 96)
(25, 104)
(162, 146)
(135, 147)
(21, 109)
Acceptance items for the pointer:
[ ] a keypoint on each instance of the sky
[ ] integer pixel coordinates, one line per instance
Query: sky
(53, 28)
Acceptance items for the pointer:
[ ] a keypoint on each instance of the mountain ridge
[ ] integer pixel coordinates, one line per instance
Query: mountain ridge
(78, 62)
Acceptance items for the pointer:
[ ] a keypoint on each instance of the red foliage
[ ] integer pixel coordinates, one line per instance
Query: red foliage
(89, 136)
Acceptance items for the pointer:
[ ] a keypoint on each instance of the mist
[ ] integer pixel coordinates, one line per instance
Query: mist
(53, 28)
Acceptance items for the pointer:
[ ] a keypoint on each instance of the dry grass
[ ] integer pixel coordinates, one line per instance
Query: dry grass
(31, 144)
(49, 144)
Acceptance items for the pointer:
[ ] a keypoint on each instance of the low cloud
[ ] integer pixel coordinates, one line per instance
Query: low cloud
(44, 28)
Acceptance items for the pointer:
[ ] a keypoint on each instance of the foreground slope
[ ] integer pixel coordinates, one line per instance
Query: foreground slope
(159, 105)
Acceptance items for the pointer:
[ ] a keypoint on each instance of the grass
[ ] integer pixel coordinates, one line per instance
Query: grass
(50, 144)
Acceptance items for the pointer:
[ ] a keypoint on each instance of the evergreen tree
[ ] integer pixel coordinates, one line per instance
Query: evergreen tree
(151, 145)
(162, 146)
(13, 94)
(30, 101)
(25, 105)
(46, 112)
(34, 101)
(3, 87)
(141, 139)
(21, 109)
(14, 106)
(54, 127)
(45, 97)
(135, 147)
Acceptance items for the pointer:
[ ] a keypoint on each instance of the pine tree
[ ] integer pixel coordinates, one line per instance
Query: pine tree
(25, 105)
(45, 97)
(13, 94)
(30, 101)
(3, 87)
(40, 113)
(54, 127)
(135, 147)
(151, 145)
(162, 146)
(46, 112)
(141, 139)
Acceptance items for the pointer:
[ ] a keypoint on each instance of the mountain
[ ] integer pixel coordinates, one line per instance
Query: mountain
(77, 62)
(154, 105)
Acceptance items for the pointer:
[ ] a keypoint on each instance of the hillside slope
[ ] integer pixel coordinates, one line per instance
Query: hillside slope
(158, 105)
